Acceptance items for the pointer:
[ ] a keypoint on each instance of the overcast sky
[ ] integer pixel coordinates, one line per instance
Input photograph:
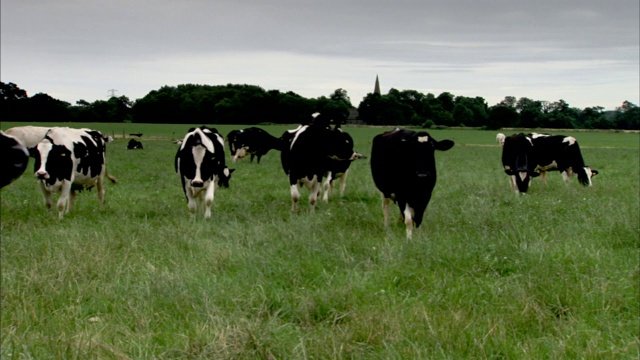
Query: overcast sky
(586, 52)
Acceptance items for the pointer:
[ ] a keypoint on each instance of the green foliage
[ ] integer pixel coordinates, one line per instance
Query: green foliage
(553, 274)
(250, 104)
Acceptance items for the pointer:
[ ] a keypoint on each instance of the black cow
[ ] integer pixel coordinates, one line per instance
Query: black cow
(201, 166)
(338, 168)
(69, 160)
(403, 167)
(253, 141)
(527, 156)
(14, 159)
(518, 161)
(134, 144)
(311, 152)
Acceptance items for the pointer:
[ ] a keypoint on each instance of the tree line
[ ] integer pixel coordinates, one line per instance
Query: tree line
(250, 104)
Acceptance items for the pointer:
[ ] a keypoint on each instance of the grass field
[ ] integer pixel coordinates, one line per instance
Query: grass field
(549, 275)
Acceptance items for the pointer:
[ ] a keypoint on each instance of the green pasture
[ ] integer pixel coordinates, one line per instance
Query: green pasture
(489, 275)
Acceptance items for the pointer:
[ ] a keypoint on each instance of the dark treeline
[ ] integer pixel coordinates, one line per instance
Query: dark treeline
(250, 104)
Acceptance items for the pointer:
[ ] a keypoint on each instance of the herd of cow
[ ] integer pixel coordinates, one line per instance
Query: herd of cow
(403, 168)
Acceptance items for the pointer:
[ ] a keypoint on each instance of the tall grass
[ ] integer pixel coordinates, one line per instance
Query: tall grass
(552, 274)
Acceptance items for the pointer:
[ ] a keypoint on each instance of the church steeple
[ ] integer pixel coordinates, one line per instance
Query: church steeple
(376, 89)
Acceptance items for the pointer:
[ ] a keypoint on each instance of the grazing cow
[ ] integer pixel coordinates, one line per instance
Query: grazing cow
(69, 160)
(560, 153)
(403, 167)
(201, 166)
(14, 160)
(310, 152)
(134, 144)
(500, 139)
(527, 156)
(253, 141)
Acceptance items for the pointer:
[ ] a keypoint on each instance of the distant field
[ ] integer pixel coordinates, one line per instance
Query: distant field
(552, 274)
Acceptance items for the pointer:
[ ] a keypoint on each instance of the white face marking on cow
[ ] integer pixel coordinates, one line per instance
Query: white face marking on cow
(569, 139)
(198, 156)
(523, 175)
(589, 174)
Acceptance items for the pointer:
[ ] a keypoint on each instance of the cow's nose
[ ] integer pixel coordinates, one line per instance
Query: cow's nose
(197, 183)
(42, 175)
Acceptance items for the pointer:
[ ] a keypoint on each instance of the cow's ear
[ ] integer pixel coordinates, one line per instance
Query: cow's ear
(444, 145)
(594, 172)
(231, 170)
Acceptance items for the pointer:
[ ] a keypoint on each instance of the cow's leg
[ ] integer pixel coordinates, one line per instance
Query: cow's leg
(208, 198)
(65, 192)
(343, 182)
(315, 187)
(70, 202)
(47, 195)
(326, 187)
(543, 177)
(295, 196)
(386, 209)
(512, 181)
(191, 202)
(252, 156)
(566, 175)
(259, 157)
(408, 220)
(101, 190)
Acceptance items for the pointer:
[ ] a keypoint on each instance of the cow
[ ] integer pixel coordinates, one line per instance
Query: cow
(14, 160)
(403, 167)
(500, 139)
(30, 137)
(525, 156)
(310, 152)
(253, 141)
(561, 153)
(134, 144)
(339, 168)
(201, 166)
(517, 153)
(69, 160)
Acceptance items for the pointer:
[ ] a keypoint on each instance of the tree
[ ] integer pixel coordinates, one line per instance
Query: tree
(627, 116)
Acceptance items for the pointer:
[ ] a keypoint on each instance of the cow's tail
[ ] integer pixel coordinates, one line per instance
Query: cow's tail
(111, 177)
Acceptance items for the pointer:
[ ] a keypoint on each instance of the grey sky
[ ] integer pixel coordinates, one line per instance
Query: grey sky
(586, 52)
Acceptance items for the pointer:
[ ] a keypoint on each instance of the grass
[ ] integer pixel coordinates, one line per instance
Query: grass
(553, 274)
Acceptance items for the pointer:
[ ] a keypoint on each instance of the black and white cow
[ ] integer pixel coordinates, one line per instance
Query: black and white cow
(527, 156)
(69, 160)
(134, 144)
(518, 161)
(201, 166)
(311, 152)
(403, 167)
(14, 159)
(253, 141)
(338, 169)
(561, 153)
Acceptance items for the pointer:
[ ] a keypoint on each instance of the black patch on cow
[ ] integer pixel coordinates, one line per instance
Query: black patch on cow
(14, 159)
(90, 154)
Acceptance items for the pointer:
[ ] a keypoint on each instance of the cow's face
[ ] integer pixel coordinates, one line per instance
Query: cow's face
(52, 162)
(340, 145)
(585, 174)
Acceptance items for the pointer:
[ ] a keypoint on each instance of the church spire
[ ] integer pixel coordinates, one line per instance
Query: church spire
(376, 89)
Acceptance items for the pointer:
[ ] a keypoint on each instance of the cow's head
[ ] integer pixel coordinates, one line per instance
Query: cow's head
(516, 153)
(339, 145)
(585, 174)
(224, 177)
(52, 162)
